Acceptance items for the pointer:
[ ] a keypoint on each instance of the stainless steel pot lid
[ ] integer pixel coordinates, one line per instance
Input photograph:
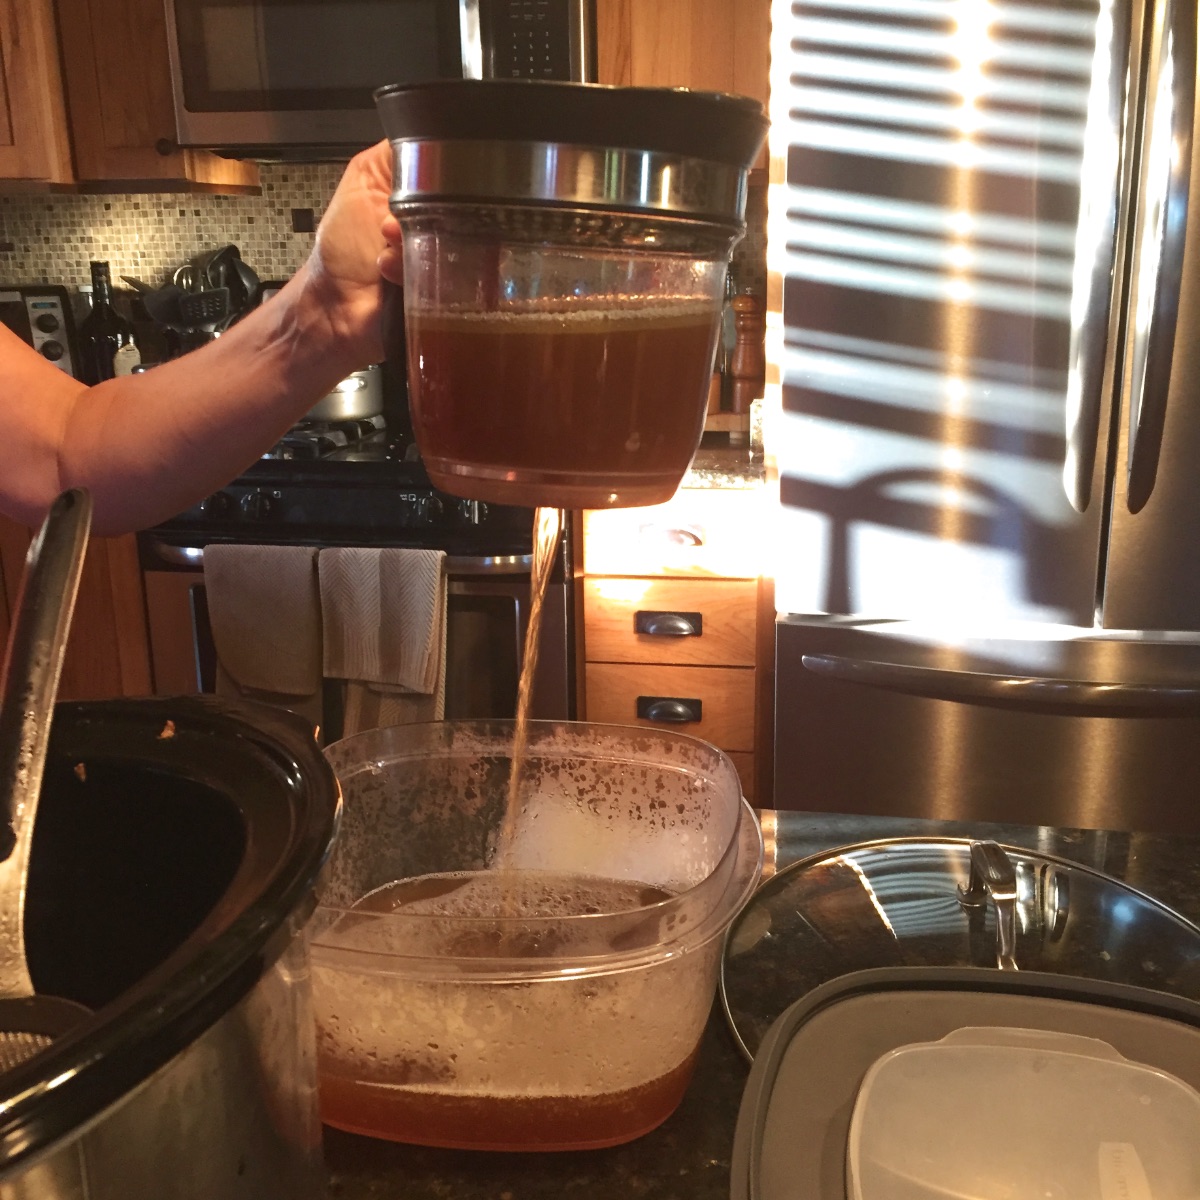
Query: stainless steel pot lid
(944, 902)
(667, 151)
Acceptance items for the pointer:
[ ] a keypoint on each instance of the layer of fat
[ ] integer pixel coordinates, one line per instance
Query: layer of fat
(566, 318)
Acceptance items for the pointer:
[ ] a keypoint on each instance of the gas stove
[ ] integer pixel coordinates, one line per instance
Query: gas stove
(350, 483)
(312, 440)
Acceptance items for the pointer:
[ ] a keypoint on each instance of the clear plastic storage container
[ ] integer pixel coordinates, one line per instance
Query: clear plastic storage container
(1021, 1114)
(555, 1001)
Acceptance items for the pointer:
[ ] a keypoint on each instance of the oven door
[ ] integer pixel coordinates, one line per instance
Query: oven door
(487, 614)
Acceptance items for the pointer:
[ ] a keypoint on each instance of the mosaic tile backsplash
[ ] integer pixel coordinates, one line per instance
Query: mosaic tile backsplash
(51, 239)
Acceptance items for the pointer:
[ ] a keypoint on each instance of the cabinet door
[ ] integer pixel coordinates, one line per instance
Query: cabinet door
(713, 45)
(108, 653)
(34, 143)
(122, 114)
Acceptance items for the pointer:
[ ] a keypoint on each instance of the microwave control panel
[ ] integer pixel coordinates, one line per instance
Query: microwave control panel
(531, 39)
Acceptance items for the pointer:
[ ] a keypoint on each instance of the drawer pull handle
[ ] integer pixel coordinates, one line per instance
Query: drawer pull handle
(673, 535)
(669, 710)
(668, 624)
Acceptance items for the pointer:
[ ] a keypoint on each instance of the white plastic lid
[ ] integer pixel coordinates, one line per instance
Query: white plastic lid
(1021, 1114)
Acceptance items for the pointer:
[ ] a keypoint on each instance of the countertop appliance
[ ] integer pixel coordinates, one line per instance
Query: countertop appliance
(293, 80)
(989, 505)
(41, 315)
(362, 483)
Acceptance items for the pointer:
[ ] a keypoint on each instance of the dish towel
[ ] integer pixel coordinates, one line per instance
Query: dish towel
(384, 617)
(264, 606)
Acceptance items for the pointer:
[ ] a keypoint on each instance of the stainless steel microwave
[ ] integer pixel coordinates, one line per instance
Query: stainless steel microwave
(293, 79)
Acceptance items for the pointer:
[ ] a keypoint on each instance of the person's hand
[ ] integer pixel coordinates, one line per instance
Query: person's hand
(391, 261)
(352, 249)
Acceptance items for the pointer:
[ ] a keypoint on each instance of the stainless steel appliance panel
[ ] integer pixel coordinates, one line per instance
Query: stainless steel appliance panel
(1152, 575)
(949, 246)
(294, 79)
(893, 719)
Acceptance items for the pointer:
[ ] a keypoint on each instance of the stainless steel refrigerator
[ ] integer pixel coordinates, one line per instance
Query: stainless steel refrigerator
(987, 542)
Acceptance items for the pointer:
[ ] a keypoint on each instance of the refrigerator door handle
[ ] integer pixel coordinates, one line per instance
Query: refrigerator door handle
(1095, 262)
(1158, 254)
(1066, 697)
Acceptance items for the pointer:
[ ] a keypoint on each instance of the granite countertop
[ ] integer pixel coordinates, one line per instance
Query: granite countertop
(724, 467)
(688, 1157)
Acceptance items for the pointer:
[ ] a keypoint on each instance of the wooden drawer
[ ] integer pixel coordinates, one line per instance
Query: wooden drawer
(715, 532)
(724, 611)
(725, 695)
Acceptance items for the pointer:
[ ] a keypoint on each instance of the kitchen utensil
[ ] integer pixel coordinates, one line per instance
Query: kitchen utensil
(138, 285)
(565, 249)
(162, 305)
(507, 1028)
(204, 310)
(793, 1129)
(360, 394)
(30, 1020)
(944, 902)
(178, 847)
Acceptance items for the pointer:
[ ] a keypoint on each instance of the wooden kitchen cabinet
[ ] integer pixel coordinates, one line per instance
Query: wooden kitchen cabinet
(35, 144)
(108, 653)
(678, 626)
(86, 102)
(710, 45)
(119, 92)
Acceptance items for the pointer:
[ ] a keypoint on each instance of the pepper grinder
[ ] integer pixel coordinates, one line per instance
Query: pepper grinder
(748, 363)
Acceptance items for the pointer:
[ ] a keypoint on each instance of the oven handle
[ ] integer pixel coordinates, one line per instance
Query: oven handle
(456, 564)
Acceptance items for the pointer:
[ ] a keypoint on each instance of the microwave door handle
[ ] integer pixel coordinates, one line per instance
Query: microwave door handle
(470, 39)
(1158, 257)
(1095, 261)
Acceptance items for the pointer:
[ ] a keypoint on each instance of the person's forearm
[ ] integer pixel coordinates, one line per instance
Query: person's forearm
(150, 445)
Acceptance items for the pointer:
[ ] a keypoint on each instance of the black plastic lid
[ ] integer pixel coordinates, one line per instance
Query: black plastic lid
(714, 126)
(794, 1119)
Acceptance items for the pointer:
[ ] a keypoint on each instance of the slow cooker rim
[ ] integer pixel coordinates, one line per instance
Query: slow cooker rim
(55, 1094)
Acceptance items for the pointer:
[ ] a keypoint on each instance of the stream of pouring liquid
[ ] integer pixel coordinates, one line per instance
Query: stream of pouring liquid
(547, 522)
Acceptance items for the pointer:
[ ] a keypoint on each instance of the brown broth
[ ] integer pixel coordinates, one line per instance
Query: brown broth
(547, 523)
(581, 409)
(428, 1117)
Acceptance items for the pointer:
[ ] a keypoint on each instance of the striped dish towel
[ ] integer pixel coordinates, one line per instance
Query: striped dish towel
(384, 618)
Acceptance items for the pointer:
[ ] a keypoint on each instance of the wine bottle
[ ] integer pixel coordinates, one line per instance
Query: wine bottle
(106, 344)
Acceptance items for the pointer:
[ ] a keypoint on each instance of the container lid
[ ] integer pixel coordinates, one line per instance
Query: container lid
(1129, 1123)
(715, 126)
(948, 902)
(812, 1079)
(663, 152)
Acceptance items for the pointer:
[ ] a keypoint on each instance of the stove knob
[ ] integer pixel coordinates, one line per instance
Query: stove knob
(471, 512)
(258, 506)
(218, 507)
(430, 510)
